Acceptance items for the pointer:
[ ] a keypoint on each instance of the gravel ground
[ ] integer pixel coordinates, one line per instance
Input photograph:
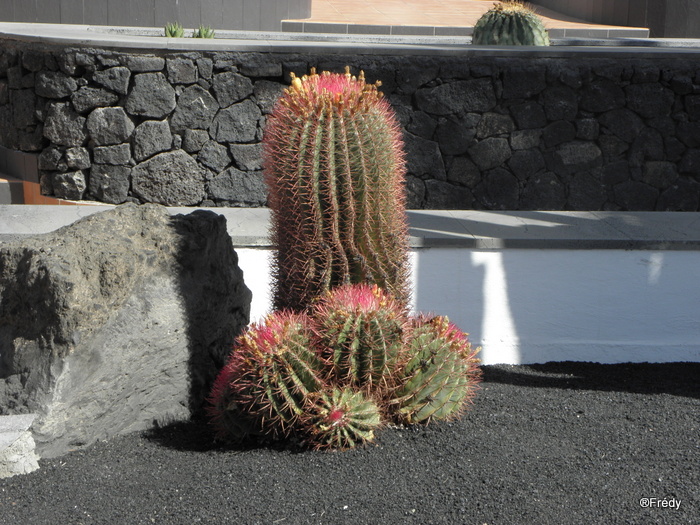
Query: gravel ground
(562, 443)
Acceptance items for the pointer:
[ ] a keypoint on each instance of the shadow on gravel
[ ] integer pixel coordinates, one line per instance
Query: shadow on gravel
(194, 436)
(197, 436)
(678, 379)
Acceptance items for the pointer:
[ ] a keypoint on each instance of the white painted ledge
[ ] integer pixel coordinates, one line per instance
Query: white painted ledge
(530, 287)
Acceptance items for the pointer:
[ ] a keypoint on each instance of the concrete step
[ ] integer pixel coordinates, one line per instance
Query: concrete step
(17, 454)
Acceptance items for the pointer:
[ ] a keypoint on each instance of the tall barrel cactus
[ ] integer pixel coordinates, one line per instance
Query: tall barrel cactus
(334, 165)
(268, 379)
(510, 23)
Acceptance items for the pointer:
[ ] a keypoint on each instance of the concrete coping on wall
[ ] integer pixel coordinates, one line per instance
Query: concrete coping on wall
(484, 230)
(268, 42)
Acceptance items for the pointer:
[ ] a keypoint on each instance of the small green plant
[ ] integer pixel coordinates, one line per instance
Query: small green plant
(510, 23)
(334, 165)
(203, 32)
(174, 30)
(336, 374)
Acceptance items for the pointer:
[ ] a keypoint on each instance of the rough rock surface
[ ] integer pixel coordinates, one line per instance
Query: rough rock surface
(115, 322)
(172, 179)
(17, 447)
(576, 133)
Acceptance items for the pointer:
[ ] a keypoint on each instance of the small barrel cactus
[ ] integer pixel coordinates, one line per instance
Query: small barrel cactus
(510, 23)
(341, 418)
(334, 164)
(361, 331)
(440, 376)
(270, 374)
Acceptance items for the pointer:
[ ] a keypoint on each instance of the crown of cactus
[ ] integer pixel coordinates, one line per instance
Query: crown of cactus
(441, 374)
(341, 418)
(334, 165)
(510, 23)
(361, 330)
(270, 374)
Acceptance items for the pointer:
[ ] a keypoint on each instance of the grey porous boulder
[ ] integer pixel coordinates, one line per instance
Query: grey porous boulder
(116, 322)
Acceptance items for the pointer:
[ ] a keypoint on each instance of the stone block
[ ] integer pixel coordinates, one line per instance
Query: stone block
(172, 178)
(17, 447)
(195, 110)
(236, 123)
(230, 87)
(117, 155)
(151, 137)
(248, 157)
(70, 185)
(117, 321)
(239, 188)
(54, 84)
(64, 126)
(88, 98)
(462, 96)
(423, 158)
(108, 126)
(151, 96)
(109, 183)
(114, 78)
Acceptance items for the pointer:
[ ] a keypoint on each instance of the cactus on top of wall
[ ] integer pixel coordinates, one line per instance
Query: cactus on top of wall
(510, 23)
(174, 30)
(334, 164)
(203, 32)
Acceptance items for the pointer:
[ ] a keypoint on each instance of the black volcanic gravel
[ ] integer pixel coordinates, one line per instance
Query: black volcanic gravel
(561, 443)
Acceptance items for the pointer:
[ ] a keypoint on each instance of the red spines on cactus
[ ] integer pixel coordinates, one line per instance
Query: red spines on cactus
(271, 371)
(334, 165)
(341, 418)
(361, 330)
(441, 375)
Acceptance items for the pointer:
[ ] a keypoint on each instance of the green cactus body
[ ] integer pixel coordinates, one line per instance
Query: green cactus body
(334, 166)
(270, 374)
(360, 328)
(510, 23)
(341, 418)
(203, 32)
(174, 30)
(440, 376)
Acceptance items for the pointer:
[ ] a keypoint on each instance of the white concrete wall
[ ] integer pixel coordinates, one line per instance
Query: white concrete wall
(533, 306)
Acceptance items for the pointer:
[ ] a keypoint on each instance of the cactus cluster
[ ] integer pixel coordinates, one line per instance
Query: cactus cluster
(340, 357)
(334, 165)
(510, 23)
(336, 374)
